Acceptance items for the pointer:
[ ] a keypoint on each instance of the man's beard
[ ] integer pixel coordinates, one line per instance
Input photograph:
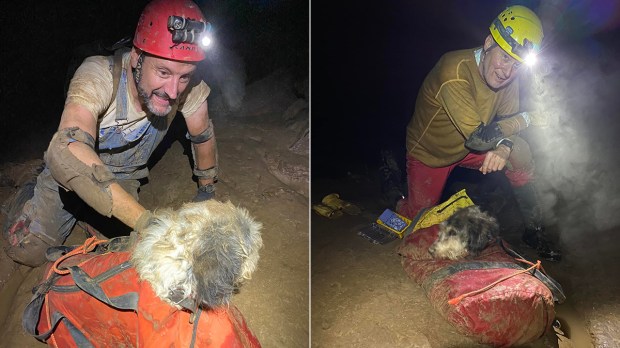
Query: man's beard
(146, 99)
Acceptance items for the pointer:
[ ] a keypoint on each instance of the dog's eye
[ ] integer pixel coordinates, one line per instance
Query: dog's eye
(459, 225)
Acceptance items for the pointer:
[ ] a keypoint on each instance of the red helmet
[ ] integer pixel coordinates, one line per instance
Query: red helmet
(154, 35)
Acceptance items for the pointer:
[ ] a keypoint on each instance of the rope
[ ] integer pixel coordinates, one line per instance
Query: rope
(458, 299)
(537, 264)
(88, 246)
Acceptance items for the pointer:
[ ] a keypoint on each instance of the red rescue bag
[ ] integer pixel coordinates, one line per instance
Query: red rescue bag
(517, 310)
(101, 302)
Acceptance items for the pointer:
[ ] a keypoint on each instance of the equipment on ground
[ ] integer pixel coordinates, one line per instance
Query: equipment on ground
(391, 226)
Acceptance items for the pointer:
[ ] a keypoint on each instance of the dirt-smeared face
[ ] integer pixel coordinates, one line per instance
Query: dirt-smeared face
(161, 82)
(497, 68)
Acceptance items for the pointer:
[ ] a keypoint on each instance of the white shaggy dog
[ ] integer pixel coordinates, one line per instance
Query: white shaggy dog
(198, 253)
(466, 232)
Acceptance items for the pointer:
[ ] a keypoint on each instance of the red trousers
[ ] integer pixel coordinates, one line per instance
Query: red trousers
(425, 184)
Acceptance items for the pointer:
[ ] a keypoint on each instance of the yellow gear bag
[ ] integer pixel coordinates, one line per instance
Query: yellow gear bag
(432, 216)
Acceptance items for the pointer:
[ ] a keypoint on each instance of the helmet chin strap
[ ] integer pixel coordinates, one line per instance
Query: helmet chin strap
(137, 71)
(484, 52)
(483, 55)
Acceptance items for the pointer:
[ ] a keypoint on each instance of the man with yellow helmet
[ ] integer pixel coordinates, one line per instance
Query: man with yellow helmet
(467, 114)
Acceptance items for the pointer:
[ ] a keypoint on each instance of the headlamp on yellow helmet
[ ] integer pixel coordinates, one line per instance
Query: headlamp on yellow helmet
(518, 31)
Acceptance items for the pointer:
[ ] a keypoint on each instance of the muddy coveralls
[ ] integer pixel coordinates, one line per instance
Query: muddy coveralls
(452, 102)
(37, 216)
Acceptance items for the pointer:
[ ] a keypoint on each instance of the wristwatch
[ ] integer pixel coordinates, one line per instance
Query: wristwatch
(506, 142)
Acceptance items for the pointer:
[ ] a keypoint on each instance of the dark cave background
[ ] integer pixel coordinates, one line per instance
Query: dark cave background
(378, 57)
(40, 36)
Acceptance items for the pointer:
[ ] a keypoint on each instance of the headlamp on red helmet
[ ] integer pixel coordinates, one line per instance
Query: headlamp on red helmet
(185, 30)
(155, 30)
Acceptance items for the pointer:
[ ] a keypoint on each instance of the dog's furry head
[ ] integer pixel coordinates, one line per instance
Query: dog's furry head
(466, 232)
(200, 252)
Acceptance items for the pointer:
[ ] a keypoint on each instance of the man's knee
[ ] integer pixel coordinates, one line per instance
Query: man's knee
(522, 164)
(30, 251)
(521, 156)
(25, 238)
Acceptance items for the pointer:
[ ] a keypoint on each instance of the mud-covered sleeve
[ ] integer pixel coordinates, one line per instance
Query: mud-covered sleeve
(196, 96)
(456, 98)
(91, 85)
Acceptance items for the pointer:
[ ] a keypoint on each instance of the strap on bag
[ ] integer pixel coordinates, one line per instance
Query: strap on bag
(83, 282)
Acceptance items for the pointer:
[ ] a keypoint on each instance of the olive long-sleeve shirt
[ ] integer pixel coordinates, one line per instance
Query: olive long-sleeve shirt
(452, 102)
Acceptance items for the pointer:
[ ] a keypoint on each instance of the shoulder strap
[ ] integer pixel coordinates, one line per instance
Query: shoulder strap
(119, 48)
(116, 71)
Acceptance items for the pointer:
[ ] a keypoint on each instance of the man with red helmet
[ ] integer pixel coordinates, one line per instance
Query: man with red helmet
(109, 130)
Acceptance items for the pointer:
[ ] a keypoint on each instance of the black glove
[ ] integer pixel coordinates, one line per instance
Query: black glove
(484, 138)
(205, 193)
(491, 132)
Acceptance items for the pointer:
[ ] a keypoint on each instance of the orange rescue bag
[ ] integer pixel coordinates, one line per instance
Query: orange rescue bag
(101, 302)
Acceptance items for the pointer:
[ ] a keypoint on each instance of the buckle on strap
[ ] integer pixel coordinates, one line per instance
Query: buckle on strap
(202, 137)
(210, 173)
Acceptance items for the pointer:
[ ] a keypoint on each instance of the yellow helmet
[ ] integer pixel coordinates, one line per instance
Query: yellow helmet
(518, 31)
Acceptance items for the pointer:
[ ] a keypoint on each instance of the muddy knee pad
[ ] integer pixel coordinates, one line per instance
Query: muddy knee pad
(91, 184)
(521, 155)
(30, 252)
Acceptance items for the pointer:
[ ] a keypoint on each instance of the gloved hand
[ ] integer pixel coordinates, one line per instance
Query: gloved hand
(145, 219)
(205, 193)
(485, 137)
(491, 132)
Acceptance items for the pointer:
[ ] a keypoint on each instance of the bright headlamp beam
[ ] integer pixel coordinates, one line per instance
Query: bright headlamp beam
(530, 60)
(205, 41)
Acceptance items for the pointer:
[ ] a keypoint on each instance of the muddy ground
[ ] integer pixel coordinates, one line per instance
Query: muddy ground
(263, 156)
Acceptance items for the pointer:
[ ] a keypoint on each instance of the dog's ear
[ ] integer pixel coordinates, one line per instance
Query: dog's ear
(477, 242)
(483, 227)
